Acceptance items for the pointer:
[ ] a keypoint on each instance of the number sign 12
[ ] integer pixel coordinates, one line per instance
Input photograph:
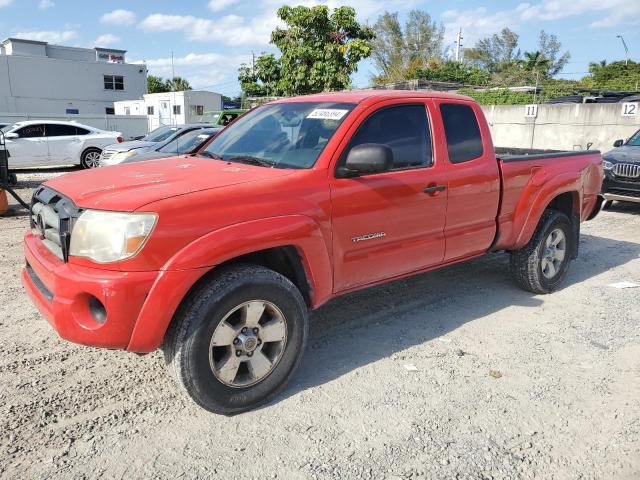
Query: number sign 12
(629, 109)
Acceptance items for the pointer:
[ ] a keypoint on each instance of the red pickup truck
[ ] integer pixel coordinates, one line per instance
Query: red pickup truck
(217, 257)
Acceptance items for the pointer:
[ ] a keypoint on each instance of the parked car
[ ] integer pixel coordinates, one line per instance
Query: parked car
(116, 153)
(2, 125)
(188, 143)
(622, 172)
(45, 143)
(222, 117)
(217, 258)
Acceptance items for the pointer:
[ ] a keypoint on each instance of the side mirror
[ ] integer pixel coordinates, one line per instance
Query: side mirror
(138, 137)
(11, 136)
(367, 158)
(618, 143)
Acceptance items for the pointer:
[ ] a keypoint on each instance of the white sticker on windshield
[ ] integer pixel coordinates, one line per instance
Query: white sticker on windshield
(327, 114)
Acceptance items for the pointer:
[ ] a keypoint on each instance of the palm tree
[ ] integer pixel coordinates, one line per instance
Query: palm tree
(536, 62)
(178, 84)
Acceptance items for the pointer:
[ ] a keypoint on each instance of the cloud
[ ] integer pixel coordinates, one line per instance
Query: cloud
(230, 29)
(51, 36)
(106, 40)
(219, 5)
(44, 4)
(476, 24)
(211, 71)
(119, 17)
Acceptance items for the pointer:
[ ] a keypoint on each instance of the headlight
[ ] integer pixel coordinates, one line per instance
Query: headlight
(106, 237)
(608, 165)
(122, 156)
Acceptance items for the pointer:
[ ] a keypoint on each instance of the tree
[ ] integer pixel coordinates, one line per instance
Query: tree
(616, 75)
(156, 85)
(495, 53)
(178, 84)
(319, 52)
(457, 72)
(398, 53)
(549, 47)
(536, 62)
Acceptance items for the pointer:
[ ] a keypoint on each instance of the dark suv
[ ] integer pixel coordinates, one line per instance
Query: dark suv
(622, 171)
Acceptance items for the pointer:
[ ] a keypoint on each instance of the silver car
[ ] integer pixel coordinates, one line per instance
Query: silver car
(118, 152)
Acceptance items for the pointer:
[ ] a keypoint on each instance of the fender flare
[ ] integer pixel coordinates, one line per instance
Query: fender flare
(190, 264)
(536, 197)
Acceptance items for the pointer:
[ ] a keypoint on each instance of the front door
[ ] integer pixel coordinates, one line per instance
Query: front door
(29, 149)
(386, 225)
(165, 112)
(64, 144)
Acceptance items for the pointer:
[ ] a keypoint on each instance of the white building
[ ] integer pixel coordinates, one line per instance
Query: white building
(39, 78)
(171, 108)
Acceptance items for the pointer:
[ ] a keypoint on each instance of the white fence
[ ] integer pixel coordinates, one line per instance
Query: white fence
(129, 125)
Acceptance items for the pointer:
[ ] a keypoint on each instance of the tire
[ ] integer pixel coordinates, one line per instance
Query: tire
(90, 158)
(530, 266)
(195, 351)
(13, 179)
(607, 205)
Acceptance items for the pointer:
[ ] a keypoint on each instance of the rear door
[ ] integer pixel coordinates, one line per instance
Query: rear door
(386, 225)
(64, 144)
(29, 149)
(473, 179)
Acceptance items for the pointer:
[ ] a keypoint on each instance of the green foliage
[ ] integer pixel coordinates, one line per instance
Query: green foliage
(616, 75)
(458, 72)
(495, 53)
(398, 53)
(500, 96)
(156, 85)
(159, 85)
(319, 52)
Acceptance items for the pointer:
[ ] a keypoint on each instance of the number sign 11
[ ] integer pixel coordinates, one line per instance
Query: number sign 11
(531, 111)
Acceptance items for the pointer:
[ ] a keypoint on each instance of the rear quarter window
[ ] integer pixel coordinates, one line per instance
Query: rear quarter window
(462, 132)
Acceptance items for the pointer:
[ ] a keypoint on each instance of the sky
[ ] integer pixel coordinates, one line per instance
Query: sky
(210, 39)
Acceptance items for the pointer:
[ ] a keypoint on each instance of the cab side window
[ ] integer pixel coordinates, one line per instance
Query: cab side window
(404, 129)
(461, 129)
(31, 131)
(59, 130)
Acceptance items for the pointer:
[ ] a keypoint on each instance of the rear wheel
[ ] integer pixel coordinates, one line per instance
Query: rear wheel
(91, 158)
(541, 265)
(237, 339)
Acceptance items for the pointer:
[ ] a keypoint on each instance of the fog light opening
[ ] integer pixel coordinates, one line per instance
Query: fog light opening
(97, 310)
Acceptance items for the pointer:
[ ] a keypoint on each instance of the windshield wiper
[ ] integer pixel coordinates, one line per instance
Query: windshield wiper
(249, 160)
(215, 156)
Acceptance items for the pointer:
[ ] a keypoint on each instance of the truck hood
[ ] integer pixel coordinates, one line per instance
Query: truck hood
(624, 154)
(130, 186)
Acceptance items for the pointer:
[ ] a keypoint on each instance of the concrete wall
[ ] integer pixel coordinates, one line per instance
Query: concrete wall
(560, 127)
(129, 125)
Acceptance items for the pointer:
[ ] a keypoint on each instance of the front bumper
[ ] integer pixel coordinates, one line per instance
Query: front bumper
(616, 188)
(66, 295)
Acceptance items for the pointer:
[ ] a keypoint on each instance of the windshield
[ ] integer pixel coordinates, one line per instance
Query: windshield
(160, 134)
(210, 117)
(634, 141)
(188, 142)
(281, 135)
(6, 129)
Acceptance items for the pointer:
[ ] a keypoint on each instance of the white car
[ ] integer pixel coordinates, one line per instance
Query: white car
(46, 143)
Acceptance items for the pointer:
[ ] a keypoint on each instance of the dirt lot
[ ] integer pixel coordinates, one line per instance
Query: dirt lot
(566, 403)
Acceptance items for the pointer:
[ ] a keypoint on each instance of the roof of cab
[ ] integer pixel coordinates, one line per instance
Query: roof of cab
(357, 96)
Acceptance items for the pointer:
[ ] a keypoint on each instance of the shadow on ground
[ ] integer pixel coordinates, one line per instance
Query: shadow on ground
(363, 327)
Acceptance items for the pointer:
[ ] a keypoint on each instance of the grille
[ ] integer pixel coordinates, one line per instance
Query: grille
(52, 218)
(107, 154)
(627, 170)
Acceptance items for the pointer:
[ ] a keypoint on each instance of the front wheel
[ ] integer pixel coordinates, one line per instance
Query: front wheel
(237, 339)
(541, 265)
(90, 158)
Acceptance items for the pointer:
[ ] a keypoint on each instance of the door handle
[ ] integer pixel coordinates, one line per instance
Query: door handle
(434, 189)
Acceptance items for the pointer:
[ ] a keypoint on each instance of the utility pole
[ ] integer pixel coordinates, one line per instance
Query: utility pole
(458, 44)
(626, 49)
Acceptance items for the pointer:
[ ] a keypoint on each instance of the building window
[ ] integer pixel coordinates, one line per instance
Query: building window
(197, 109)
(127, 110)
(110, 111)
(176, 109)
(150, 110)
(72, 111)
(113, 82)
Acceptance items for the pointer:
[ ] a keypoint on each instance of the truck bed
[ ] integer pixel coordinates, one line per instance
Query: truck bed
(527, 178)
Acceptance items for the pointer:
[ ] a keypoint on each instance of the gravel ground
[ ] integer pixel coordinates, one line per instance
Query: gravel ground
(506, 384)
